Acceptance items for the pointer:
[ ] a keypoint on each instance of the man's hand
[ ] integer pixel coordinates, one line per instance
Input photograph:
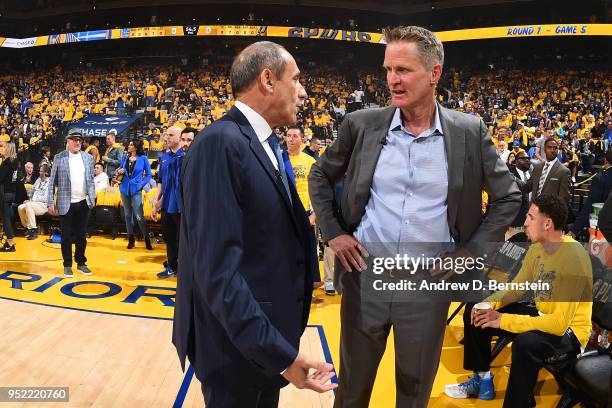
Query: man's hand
(476, 311)
(349, 251)
(105, 158)
(312, 218)
(299, 375)
(51, 210)
(490, 318)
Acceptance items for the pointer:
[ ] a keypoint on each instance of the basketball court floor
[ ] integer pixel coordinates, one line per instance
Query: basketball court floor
(108, 336)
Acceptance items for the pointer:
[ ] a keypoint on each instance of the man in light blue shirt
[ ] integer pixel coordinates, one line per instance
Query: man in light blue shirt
(414, 175)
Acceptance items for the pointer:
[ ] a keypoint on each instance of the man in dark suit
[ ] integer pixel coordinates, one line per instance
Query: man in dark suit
(247, 254)
(521, 170)
(414, 174)
(598, 193)
(549, 177)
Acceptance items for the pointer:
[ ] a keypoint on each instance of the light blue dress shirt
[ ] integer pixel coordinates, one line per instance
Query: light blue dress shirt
(408, 196)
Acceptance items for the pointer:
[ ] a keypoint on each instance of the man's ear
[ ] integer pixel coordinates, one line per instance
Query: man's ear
(266, 80)
(436, 73)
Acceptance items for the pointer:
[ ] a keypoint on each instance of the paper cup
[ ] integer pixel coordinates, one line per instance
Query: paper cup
(482, 307)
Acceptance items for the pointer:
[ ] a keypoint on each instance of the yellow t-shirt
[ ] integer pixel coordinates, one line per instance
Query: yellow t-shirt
(151, 90)
(301, 168)
(568, 272)
(156, 146)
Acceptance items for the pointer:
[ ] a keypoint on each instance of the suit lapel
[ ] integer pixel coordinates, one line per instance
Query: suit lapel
(261, 155)
(373, 145)
(454, 146)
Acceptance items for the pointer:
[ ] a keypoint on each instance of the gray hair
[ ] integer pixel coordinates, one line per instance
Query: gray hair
(428, 45)
(247, 66)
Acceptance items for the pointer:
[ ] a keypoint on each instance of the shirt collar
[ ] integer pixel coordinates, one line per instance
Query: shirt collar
(257, 122)
(552, 161)
(396, 122)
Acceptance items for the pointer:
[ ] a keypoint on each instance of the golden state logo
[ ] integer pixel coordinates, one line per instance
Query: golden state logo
(140, 298)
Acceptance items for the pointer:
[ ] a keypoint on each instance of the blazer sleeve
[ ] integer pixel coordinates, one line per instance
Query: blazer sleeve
(504, 196)
(213, 174)
(605, 219)
(564, 190)
(596, 195)
(52, 184)
(147, 170)
(324, 174)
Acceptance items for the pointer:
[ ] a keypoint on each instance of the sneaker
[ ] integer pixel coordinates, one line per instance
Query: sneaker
(470, 388)
(8, 247)
(33, 234)
(329, 289)
(166, 273)
(487, 389)
(68, 272)
(84, 270)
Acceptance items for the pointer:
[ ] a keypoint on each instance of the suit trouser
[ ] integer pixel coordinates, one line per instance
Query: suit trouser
(216, 397)
(29, 211)
(418, 329)
(171, 223)
(74, 223)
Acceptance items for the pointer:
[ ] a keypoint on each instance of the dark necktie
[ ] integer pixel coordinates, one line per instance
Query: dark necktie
(273, 142)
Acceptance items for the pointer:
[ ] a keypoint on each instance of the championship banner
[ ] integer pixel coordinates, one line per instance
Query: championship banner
(547, 30)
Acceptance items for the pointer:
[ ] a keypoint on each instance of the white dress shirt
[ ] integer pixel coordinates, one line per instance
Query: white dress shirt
(261, 128)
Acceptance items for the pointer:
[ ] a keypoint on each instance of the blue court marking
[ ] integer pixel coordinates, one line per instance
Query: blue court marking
(326, 352)
(180, 397)
(85, 310)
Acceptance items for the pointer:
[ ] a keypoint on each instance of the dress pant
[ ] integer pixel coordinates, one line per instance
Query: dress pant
(74, 229)
(216, 397)
(418, 329)
(171, 223)
(28, 212)
(530, 351)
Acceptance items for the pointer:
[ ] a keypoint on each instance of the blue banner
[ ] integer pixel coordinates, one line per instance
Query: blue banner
(100, 125)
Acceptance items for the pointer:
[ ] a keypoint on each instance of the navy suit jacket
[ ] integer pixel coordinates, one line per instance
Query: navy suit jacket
(246, 258)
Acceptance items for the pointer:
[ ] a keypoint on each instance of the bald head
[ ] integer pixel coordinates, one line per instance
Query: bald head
(252, 61)
(172, 135)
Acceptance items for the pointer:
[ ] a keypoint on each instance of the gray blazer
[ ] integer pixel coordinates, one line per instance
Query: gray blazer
(557, 181)
(114, 160)
(60, 178)
(473, 166)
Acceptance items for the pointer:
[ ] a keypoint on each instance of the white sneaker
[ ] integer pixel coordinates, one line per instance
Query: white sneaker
(329, 289)
(466, 389)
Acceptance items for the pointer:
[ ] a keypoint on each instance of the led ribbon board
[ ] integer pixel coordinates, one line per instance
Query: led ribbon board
(548, 30)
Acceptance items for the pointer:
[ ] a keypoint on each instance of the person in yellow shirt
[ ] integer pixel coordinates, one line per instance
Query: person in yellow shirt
(557, 326)
(150, 94)
(301, 164)
(156, 144)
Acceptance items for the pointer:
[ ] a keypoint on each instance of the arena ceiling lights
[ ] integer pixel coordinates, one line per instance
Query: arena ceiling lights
(547, 30)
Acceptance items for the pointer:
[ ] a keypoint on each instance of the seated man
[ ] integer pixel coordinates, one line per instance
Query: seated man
(559, 325)
(37, 204)
(100, 177)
